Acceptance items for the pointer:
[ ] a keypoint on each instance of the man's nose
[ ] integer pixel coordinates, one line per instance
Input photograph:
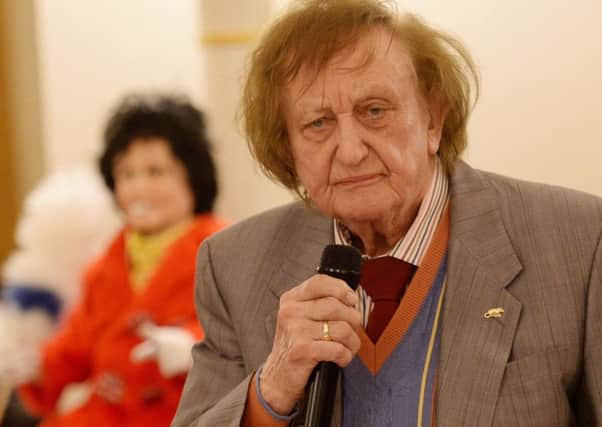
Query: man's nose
(351, 148)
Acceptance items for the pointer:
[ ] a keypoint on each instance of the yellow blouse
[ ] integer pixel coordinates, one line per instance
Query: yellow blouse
(145, 251)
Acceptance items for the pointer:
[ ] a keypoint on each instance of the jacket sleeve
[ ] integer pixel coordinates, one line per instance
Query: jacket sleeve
(216, 388)
(589, 398)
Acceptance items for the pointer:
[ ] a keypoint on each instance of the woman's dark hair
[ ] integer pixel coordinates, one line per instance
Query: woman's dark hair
(177, 121)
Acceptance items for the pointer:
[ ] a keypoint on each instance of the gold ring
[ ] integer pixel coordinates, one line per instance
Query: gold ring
(326, 332)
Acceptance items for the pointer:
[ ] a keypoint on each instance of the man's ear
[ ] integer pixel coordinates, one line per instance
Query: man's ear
(437, 108)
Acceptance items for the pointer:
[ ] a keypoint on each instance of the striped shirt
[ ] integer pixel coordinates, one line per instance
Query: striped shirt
(412, 246)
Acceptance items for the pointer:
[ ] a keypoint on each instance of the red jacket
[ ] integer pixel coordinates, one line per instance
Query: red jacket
(99, 334)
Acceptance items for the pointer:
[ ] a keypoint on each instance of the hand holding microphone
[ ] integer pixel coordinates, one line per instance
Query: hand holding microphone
(342, 262)
(317, 322)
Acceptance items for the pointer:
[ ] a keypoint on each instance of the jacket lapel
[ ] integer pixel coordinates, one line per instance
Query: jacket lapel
(309, 232)
(481, 264)
(295, 253)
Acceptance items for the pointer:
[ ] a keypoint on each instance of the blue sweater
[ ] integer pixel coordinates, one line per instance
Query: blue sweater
(402, 390)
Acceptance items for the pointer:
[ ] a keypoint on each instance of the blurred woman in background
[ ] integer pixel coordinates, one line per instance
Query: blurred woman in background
(130, 335)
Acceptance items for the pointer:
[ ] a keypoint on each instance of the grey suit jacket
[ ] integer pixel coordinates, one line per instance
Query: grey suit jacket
(533, 250)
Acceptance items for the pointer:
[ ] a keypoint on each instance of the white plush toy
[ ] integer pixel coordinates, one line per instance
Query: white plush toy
(66, 221)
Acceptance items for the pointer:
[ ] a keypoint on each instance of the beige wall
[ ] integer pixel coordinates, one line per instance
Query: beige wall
(541, 63)
(226, 40)
(93, 52)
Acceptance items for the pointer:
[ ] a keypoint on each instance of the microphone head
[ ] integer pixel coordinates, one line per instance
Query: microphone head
(343, 262)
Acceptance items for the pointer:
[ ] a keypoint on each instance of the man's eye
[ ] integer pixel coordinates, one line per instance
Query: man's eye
(375, 112)
(317, 124)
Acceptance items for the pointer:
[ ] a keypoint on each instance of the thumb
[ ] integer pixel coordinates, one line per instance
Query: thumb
(147, 330)
(144, 351)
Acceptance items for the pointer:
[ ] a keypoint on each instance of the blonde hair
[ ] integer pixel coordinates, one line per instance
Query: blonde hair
(314, 31)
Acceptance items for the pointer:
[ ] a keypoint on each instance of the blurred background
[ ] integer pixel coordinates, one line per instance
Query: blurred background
(65, 63)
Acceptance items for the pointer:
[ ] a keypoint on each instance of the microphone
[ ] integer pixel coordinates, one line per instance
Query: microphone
(342, 262)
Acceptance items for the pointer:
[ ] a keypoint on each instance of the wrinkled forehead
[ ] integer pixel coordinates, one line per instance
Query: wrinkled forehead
(378, 45)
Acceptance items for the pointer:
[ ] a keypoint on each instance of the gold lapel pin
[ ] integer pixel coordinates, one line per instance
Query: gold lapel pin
(494, 312)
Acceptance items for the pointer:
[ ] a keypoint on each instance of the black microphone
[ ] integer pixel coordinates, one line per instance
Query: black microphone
(342, 262)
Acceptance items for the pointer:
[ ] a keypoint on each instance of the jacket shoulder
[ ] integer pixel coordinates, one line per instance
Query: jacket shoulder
(546, 203)
(252, 238)
(259, 227)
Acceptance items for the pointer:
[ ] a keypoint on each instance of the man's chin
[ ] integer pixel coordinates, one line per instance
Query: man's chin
(360, 214)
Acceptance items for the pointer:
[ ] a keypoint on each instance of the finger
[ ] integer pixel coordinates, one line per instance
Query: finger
(332, 309)
(298, 319)
(303, 333)
(321, 286)
(146, 329)
(331, 351)
(143, 351)
(339, 332)
(301, 321)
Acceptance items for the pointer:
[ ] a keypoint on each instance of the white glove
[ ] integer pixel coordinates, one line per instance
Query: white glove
(19, 366)
(169, 345)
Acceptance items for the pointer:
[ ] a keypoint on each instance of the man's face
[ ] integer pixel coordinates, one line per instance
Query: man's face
(362, 138)
(151, 186)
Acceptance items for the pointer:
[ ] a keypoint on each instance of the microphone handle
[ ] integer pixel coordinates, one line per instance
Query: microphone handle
(320, 397)
(341, 262)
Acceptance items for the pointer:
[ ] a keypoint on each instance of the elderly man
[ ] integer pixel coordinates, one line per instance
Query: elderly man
(493, 308)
